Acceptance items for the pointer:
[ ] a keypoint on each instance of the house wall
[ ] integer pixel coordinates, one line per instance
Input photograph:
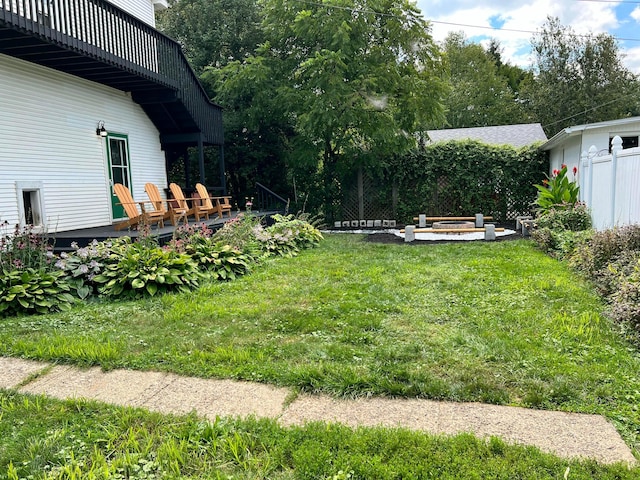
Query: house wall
(141, 9)
(567, 154)
(570, 151)
(48, 123)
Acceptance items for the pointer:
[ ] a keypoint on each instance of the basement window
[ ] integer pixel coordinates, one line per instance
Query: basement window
(30, 205)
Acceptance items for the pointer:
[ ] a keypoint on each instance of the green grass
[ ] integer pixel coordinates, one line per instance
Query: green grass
(47, 439)
(492, 322)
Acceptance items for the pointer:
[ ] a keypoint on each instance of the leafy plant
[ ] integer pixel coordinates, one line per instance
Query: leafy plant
(240, 233)
(137, 269)
(33, 291)
(557, 191)
(625, 305)
(464, 178)
(304, 234)
(23, 248)
(575, 218)
(83, 265)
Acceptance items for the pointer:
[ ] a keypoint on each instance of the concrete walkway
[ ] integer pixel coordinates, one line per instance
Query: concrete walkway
(564, 434)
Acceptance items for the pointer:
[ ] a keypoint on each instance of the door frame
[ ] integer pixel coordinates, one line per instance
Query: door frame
(117, 212)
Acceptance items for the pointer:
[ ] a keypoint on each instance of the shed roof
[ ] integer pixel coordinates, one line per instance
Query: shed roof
(576, 129)
(515, 135)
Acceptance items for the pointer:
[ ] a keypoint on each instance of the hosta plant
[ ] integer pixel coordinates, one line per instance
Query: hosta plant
(33, 291)
(136, 270)
(217, 259)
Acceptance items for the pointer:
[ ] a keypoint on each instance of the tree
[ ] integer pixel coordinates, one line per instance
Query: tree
(213, 32)
(578, 79)
(355, 79)
(483, 89)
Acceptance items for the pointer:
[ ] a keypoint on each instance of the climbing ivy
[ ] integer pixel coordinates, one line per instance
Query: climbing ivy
(466, 177)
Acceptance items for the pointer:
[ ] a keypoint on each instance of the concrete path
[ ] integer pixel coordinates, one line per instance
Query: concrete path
(564, 434)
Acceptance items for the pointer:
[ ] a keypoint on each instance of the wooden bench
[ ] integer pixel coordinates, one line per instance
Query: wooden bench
(453, 219)
(452, 230)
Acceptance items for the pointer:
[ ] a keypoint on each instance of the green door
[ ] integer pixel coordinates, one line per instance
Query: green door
(118, 155)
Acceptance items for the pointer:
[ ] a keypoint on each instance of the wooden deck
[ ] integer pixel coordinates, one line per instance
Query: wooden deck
(62, 240)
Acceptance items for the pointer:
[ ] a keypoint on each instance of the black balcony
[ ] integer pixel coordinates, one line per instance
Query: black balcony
(96, 40)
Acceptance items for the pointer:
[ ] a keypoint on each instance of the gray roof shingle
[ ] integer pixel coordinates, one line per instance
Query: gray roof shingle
(515, 135)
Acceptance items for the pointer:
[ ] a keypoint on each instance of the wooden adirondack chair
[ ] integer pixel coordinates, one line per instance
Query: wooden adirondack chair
(224, 206)
(175, 214)
(196, 209)
(217, 205)
(136, 217)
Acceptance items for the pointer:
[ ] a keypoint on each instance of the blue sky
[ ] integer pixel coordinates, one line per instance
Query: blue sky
(516, 19)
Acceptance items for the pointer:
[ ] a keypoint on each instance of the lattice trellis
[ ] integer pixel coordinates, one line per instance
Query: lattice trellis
(365, 198)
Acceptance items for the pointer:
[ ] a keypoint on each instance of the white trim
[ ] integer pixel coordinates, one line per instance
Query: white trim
(38, 213)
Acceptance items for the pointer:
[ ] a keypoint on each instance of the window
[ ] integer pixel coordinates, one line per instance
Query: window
(627, 142)
(30, 205)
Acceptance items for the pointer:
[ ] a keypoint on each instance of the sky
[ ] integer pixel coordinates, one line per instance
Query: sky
(513, 22)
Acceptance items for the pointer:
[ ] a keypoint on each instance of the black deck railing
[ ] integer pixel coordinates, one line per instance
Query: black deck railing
(267, 200)
(104, 32)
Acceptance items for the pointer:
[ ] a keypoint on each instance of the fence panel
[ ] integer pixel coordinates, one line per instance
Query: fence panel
(610, 186)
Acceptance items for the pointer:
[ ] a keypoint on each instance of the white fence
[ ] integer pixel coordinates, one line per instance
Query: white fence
(610, 185)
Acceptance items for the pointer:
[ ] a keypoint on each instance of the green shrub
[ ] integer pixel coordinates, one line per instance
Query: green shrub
(560, 243)
(33, 291)
(240, 233)
(305, 235)
(138, 269)
(625, 305)
(574, 218)
(604, 247)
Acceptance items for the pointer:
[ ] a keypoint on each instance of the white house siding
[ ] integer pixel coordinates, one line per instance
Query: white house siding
(48, 123)
(141, 9)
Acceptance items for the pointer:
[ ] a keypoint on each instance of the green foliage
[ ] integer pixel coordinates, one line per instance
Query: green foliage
(240, 233)
(625, 301)
(136, 270)
(575, 218)
(560, 243)
(579, 79)
(466, 177)
(50, 439)
(82, 265)
(33, 291)
(23, 248)
(344, 88)
(219, 260)
(479, 95)
(300, 232)
(610, 259)
(557, 192)
(604, 247)
(213, 32)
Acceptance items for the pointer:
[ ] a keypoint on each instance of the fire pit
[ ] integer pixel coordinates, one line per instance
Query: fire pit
(452, 225)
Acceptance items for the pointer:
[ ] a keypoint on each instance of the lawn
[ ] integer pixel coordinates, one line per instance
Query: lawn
(493, 322)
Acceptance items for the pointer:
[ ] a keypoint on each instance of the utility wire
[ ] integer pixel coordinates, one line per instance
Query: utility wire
(590, 109)
(483, 27)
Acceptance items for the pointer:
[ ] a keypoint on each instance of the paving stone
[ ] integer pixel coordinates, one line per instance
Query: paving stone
(14, 371)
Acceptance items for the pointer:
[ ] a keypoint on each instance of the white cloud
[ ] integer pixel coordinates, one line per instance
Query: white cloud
(522, 18)
(632, 59)
(635, 14)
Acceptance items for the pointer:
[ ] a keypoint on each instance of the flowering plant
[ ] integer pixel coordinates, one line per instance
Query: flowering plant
(23, 249)
(558, 191)
(248, 203)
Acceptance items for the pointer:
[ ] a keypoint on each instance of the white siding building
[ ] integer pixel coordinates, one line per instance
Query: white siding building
(58, 89)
